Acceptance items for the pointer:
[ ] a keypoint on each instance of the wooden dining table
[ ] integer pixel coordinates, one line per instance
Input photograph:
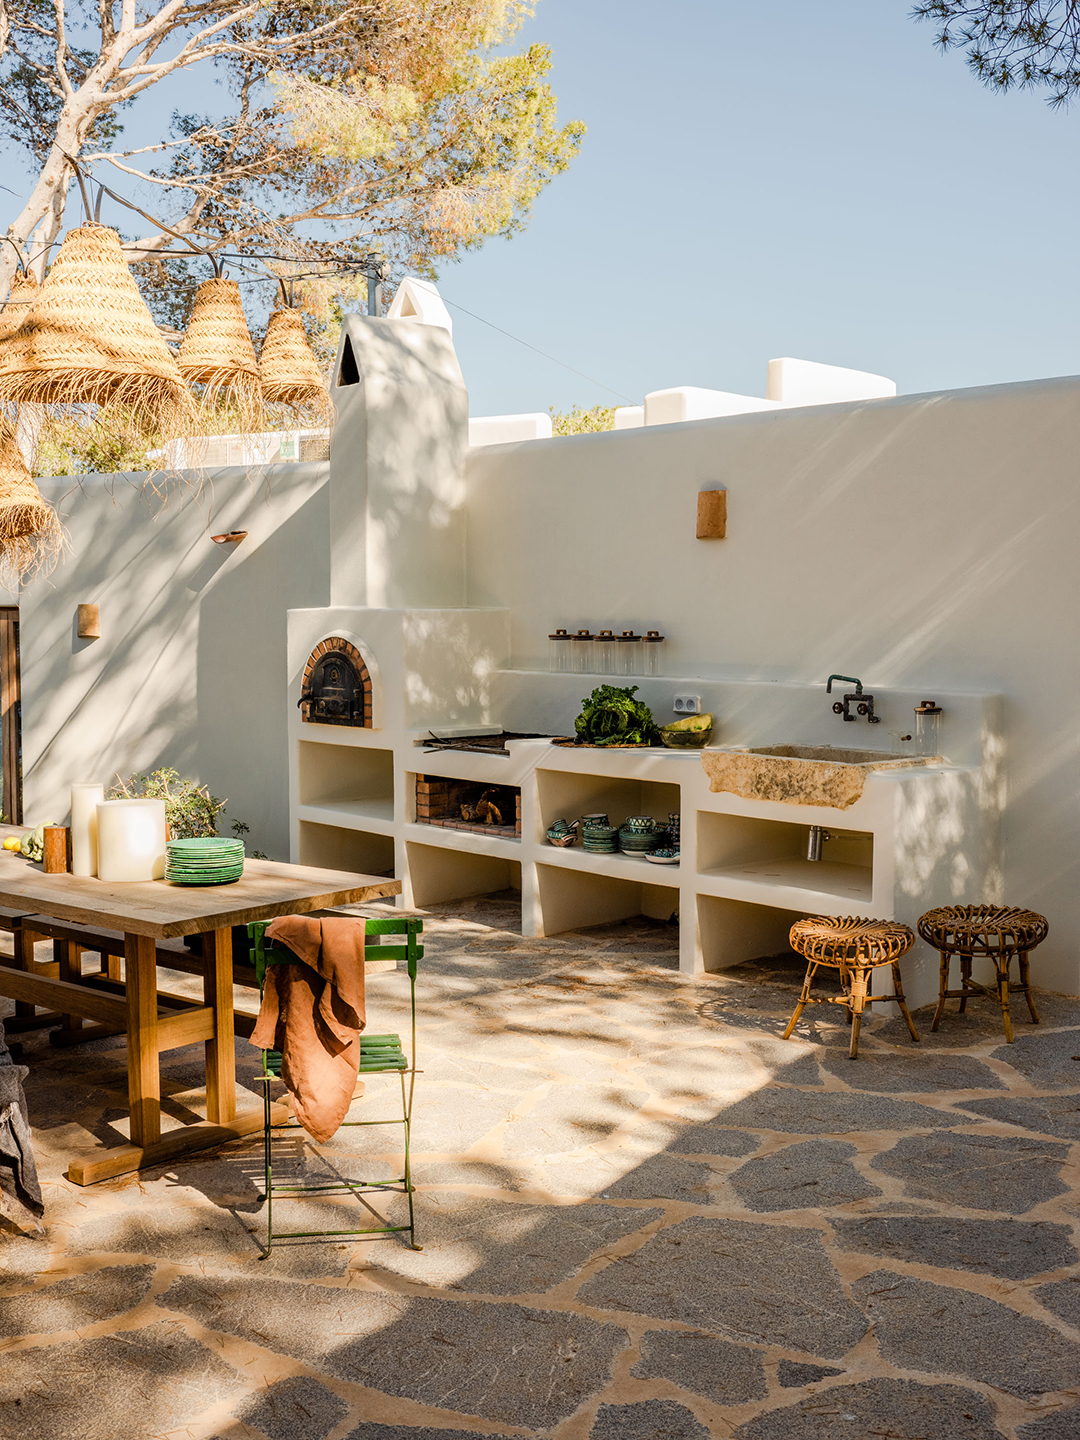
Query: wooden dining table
(146, 912)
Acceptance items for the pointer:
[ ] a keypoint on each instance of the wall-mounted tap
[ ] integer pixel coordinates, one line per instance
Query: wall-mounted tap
(864, 704)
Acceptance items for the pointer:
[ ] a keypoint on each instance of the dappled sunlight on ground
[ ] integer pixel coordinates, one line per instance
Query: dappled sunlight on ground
(643, 1213)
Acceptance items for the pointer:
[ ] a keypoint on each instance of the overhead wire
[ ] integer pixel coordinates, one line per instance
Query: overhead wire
(553, 358)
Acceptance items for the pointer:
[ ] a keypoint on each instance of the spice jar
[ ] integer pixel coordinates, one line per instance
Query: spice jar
(652, 651)
(928, 728)
(604, 647)
(629, 653)
(581, 653)
(559, 651)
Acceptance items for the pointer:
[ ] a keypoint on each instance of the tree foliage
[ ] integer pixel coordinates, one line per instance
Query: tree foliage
(399, 126)
(1013, 44)
(577, 421)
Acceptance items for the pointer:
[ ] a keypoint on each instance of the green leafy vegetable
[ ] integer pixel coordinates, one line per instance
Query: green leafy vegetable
(611, 716)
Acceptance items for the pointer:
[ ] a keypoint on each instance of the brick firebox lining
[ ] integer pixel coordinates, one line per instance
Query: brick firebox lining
(433, 808)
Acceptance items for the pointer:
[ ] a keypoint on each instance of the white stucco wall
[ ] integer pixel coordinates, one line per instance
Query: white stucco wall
(190, 670)
(922, 543)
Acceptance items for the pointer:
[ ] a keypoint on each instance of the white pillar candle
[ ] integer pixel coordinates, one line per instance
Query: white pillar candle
(84, 802)
(131, 839)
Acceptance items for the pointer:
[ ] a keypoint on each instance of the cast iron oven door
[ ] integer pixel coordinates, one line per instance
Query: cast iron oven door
(334, 694)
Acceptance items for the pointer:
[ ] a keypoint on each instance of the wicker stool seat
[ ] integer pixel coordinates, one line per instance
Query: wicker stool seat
(856, 947)
(990, 932)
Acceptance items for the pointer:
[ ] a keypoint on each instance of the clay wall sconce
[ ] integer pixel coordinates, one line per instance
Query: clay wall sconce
(88, 623)
(711, 514)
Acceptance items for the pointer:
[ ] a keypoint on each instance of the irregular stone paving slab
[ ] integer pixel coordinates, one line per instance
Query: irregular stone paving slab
(530, 1248)
(568, 1119)
(817, 1172)
(920, 1326)
(797, 1112)
(1063, 1298)
(502, 1362)
(371, 1430)
(184, 1233)
(711, 1140)
(1013, 1249)
(647, 1420)
(793, 1375)
(295, 1409)
(980, 1172)
(1048, 1115)
(900, 1409)
(716, 1369)
(772, 1284)
(661, 1177)
(1061, 1425)
(1050, 1062)
(134, 1385)
(979, 1023)
(898, 1073)
(80, 1300)
(22, 1259)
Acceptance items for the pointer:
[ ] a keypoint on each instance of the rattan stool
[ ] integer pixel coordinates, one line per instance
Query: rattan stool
(991, 932)
(856, 947)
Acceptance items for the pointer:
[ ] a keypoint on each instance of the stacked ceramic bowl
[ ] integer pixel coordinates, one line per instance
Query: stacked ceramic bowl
(208, 860)
(600, 839)
(637, 836)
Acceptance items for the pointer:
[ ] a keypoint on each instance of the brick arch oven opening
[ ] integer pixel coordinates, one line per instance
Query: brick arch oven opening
(336, 688)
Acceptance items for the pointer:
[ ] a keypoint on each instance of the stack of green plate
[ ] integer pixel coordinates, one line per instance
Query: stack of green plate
(208, 860)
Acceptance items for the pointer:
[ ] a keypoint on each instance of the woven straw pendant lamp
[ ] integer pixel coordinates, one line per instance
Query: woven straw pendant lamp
(288, 370)
(216, 353)
(24, 292)
(31, 537)
(89, 339)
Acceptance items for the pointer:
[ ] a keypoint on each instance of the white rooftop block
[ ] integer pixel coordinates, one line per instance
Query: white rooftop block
(417, 299)
(805, 382)
(629, 417)
(502, 429)
(688, 402)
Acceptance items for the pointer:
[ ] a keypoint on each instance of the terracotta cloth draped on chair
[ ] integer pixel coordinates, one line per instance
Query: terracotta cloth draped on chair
(313, 1012)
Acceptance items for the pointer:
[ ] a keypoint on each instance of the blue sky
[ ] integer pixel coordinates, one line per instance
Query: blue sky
(777, 179)
(761, 180)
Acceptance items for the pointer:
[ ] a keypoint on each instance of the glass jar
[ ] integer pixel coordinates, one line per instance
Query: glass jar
(652, 651)
(928, 728)
(559, 651)
(604, 648)
(581, 653)
(629, 653)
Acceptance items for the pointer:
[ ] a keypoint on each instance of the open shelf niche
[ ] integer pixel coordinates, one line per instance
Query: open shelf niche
(570, 899)
(566, 795)
(773, 853)
(356, 779)
(732, 932)
(440, 873)
(332, 847)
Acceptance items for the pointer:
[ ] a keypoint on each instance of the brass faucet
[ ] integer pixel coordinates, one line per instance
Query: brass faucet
(864, 704)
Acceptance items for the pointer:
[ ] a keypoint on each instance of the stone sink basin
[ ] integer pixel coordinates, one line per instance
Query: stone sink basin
(802, 774)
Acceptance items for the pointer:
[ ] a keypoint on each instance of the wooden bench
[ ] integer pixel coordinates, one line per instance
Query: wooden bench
(71, 940)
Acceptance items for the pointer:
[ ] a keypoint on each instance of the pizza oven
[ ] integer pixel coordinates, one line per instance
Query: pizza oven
(336, 688)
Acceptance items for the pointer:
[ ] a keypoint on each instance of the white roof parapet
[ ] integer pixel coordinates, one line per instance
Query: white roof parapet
(806, 382)
(629, 417)
(417, 299)
(689, 402)
(504, 429)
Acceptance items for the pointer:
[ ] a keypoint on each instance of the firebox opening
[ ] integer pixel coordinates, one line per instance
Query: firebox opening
(471, 805)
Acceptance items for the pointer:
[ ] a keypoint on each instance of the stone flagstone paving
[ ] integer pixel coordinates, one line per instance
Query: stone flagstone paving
(643, 1215)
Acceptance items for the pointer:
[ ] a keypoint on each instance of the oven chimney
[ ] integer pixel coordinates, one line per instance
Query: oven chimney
(397, 467)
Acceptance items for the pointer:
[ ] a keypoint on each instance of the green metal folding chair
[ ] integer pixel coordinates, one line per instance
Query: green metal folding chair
(379, 1054)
